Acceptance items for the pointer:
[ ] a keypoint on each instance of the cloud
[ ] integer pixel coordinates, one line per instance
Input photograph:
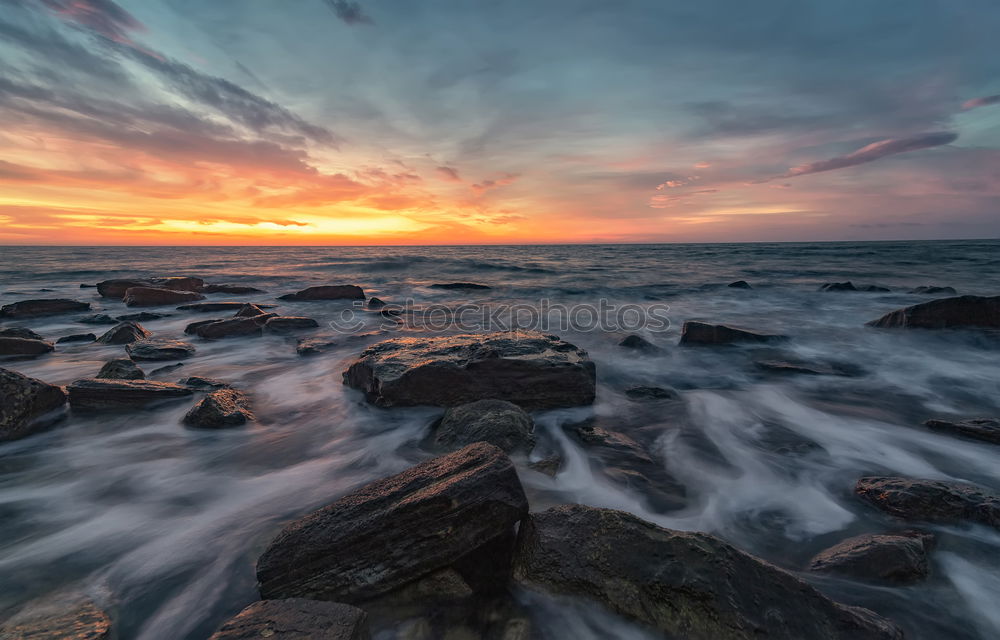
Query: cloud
(502, 181)
(101, 16)
(349, 12)
(449, 173)
(872, 152)
(985, 101)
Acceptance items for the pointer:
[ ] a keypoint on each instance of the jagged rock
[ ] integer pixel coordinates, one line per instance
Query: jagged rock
(639, 343)
(125, 333)
(838, 286)
(59, 620)
(249, 310)
(986, 429)
(683, 584)
(35, 308)
(500, 423)
(296, 619)
(77, 337)
(330, 292)
(937, 291)
(899, 558)
(314, 346)
(24, 347)
(27, 405)
(528, 368)
(121, 369)
(229, 288)
(703, 333)
(117, 288)
(20, 332)
(159, 349)
(456, 511)
(461, 286)
(376, 303)
(285, 324)
(651, 393)
(204, 384)
(97, 318)
(150, 297)
(230, 328)
(945, 313)
(739, 284)
(207, 307)
(931, 500)
(220, 409)
(142, 316)
(94, 394)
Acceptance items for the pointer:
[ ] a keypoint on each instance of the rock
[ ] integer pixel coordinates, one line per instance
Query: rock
(296, 619)
(937, 291)
(550, 465)
(95, 394)
(27, 405)
(170, 368)
(77, 337)
(461, 286)
(87, 286)
(314, 346)
(497, 422)
(873, 288)
(250, 311)
(651, 393)
(531, 369)
(79, 620)
(682, 584)
(179, 283)
(931, 500)
(332, 292)
(35, 308)
(97, 318)
(20, 332)
(945, 313)
(703, 333)
(455, 511)
(118, 288)
(739, 284)
(207, 307)
(639, 343)
(125, 333)
(143, 316)
(285, 324)
(204, 384)
(897, 558)
(376, 303)
(150, 297)
(838, 286)
(159, 349)
(24, 347)
(229, 288)
(986, 429)
(810, 368)
(233, 327)
(121, 369)
(220, 409)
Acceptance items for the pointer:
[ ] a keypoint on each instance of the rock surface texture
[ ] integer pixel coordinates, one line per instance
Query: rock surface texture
(95, 394)
(296, 619)
(898, 558)
(150, 297)
(220, 409)
(26, 404)
(931, 500)
(500, 423)
(945, 313)
(985, 429)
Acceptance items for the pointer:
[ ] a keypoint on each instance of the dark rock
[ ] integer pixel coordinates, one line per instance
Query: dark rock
(461, 286)
(87, 286)
(931, 500)
(838, 286)
(739, 284)
(19, 332)
(94, 394)
(121, 369)
(118, 288)
(375, 303)
(808, 368)
(142, 316)
(314, 346)
(125, 333)
(531, 369)
(77, 337)
(207, 307)
(899, 558)
(249, 310)
(285, 324)
(639, 343)
(683, 584)
(24, 347)
(204, 384)
(945, 313)
(170, 368)
(986, 429)
(79, 620)
(150, 297)
(937, 291)
(873, 288)
(229, 288)
(97, 318)
(296, 619)
(220, 409)
(34, 308)
(27, 405)
(333, 292)
(231, 328)
(497, 422)
(449, 512)
(549, 465)
(651, 393)
(159, 349)
(703, 333)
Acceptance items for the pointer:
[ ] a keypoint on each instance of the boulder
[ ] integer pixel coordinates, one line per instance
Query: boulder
(35, 308)
(24, 347)
(286, 324)
(125, 333)
(638, 343)
(314, 346)
(230, 328)
(179, 283)
(931, 500)
(209, 307)
(456, 511)
(121, 369)
(376, 303)
(77, 337)
(220, 409)
(150, 297)
(97, 318)
(461, 286)
(945, 313)
(500, 423)
(296, 619)
(249, 310)
(640, 393)
(142, 316)
(159, 349)
(739, 284)
(985, 429)
(203, 384)
(118, 288)
(27, 405)
(329, 292)
(20, 332)
(531, 369)
(838, 286)
(59, 620)
(229, 288)
(899, 558)
(701, 333)
(95, 394)
(936, 291)
(682, 584)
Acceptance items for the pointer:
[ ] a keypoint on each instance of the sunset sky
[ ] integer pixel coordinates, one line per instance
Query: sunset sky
(461, 121)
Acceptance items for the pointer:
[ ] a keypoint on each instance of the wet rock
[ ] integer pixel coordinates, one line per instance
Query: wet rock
(125, 333)
(937, 291)
(170, 368)
(314, 346)
(638, 343)
(231, 328)
(150, 297)
(220, 409)
(117, 288)
(249, 310)
(461, 286)
(898, 558)
(24, 347)
(874, 288)
(810, 368)
(455, 511)
(549, 465)
(699, 333)
(203, 384)
(739, 284)
(20, 332)
(59, 620)
(931, 500)
(331, 292)
(121, 369)
(97, 318)
(77, 337)
(376, 303)
(683, 584)
(208, 307)
(528, 368)
(500, 423)
(142, 316)
(838, 286)
(87, 286)
(296, 619)
(94, 394)
(651, 393)
(985, 429)
(159, 349)
(229, 288)
(27, 405)
(945, 313)
(287, 324)
(35, 308)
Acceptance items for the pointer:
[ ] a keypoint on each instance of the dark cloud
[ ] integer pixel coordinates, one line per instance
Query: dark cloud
(349, 12)
(985, 101)
(100, 16)
(874, 151)
(449, 173)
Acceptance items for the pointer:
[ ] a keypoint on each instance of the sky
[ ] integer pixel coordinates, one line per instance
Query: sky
(307, 122)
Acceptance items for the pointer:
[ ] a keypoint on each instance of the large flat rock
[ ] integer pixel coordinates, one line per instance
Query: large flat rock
(24, 347)
(703, 333)
(117, 287)
(152, 297)
(98, 394)
(34, 308)
(985, 429)
(296, 619)
(26, 404)
(327, 292)
(945, 313)
(899, 558)
(931, 500)
(530, 369)
(59, 620)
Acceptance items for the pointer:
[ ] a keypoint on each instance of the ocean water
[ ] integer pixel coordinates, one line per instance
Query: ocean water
(163, 524)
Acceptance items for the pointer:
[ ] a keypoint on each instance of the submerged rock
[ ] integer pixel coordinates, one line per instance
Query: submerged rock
(142, 316)
(27, 405)
(150, 297)
(170, 368)
(530, 369)
(937, 291)
(97, 318)
(24, 347)
(233, 327)
(121, 369)
(739, 284)
(376, 303)
(250, 310)
(229, 288)
(931, 500)
(20, 332)
(220, 409)
(296, 619)
(808, 368)
(77, 337)
(461, 286)
(945, 313)
(125, 333)
(118, 287)
(58, 620)
(286, 324)
(35, 308)
(683, 584)
(500, 423)
(700, 333)
(455, 511)
(329, 292)
(159, 349)
(985, 429)
(838, 286)
(638, 343)
(208, 307)
(95, 394)
(203, 384)
(651, 393)
(898, 558)
(314, 346)
(874, 288)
